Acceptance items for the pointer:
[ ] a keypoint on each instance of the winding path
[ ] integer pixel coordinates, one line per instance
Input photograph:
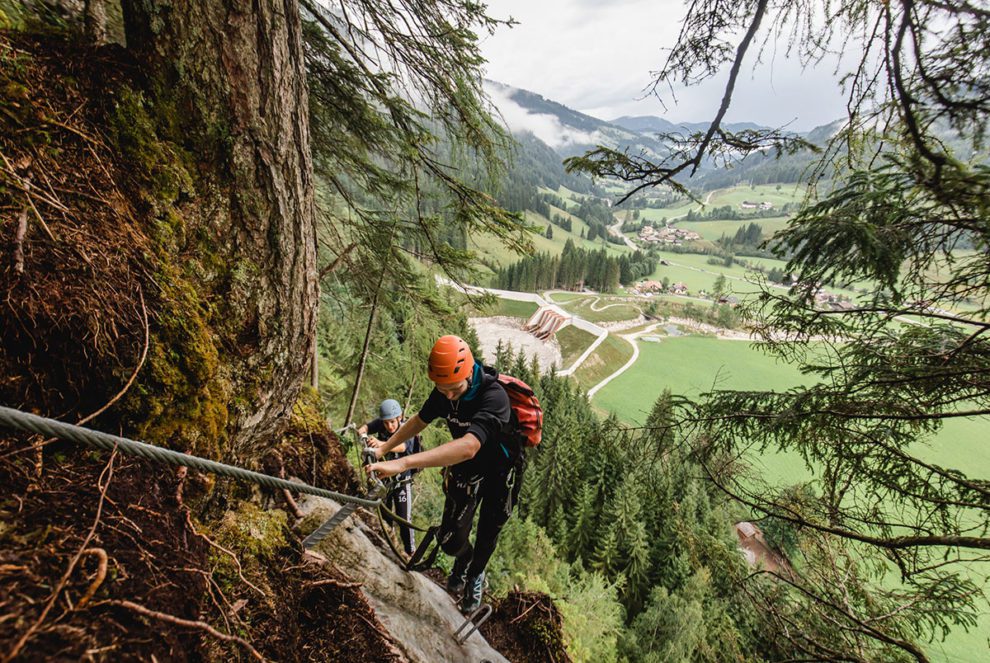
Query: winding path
(631, 339)
(601, 332)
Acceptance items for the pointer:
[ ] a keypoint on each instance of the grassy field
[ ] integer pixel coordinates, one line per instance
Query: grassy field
(567, 194)
(692, 365)
(612, 309)
(492, 248)
(564, 297)
(712, 230)
(693, 270)
(605, 360)
(577, 226)
(573, 342)
(722, 197)
(515, 309)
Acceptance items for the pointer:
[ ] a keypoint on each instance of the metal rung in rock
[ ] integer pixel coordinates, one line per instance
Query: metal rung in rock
(323, 531)
(481, 613)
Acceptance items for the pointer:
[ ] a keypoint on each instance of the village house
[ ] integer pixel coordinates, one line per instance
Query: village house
(667, 235)
(748, 204)
(649, 286)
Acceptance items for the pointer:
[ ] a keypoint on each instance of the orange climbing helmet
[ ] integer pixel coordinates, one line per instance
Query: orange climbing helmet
(450, 360)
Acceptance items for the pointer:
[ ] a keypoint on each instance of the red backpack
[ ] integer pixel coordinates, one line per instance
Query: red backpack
(526, 408)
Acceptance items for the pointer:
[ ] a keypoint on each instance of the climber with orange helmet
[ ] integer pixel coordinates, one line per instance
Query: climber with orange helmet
(483, 458)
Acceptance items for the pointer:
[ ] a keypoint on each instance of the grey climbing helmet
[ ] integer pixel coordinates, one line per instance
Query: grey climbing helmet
(390, 409)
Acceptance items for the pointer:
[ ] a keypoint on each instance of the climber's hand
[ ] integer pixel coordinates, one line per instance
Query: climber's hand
(385, 469)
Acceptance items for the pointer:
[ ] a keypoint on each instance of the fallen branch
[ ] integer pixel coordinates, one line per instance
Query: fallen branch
(22, 224)
(335, 583)
(293, 507)
(179, 621)
(525, 612)
(24, 184)
(108, 472)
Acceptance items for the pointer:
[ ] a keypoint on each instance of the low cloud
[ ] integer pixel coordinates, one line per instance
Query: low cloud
(546, 127)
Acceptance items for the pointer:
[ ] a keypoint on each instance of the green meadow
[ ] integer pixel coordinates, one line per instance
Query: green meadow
(733, 196)
(605, 360)
(573, 342)
(693, 270)
(610, 309)
(564, 297)
(692, 365)
(492, 249)
(713, 230)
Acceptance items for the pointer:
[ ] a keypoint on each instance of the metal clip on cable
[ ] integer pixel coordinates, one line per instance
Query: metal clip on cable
(377, 492)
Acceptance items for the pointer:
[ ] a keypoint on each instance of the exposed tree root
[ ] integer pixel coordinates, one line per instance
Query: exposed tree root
(229, 553)
(203, 626)
(101, 574)
(108, 472)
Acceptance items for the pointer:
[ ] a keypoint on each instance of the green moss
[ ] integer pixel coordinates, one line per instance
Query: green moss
(157, 164)
(184, 399)
(257, 537)
(306, 414)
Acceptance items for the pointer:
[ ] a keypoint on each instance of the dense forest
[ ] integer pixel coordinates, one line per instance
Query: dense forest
(574, 269)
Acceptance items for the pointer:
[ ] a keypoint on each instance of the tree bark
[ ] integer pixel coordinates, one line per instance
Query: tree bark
(234, 74)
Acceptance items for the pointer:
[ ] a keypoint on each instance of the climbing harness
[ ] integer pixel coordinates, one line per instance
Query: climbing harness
(474, 620)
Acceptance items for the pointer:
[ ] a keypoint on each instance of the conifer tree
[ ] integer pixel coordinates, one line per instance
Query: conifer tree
(605, 558)
(637, 567)
(586, 519)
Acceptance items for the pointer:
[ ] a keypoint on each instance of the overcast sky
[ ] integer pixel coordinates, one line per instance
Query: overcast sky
(596, 56)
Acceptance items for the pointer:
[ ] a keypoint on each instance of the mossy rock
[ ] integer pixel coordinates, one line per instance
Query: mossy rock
(258, 538)
(255, 533)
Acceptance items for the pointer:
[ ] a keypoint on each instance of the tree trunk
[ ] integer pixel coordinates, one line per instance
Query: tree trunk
(233, 74)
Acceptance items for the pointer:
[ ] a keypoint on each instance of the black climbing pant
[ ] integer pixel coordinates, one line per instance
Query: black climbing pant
(400, 501)
(496, 495)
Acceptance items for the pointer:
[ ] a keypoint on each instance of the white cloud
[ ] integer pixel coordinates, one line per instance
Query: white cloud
(545, 127)
(596, 57)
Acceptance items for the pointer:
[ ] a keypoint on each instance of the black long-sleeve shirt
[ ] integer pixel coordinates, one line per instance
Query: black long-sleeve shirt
(486, 416)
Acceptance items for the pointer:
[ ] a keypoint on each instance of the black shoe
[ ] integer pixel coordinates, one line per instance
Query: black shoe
(473, 591)
(457, 578)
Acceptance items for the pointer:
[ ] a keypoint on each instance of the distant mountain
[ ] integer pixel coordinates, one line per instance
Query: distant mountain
(546, 128)
(539, 105)
(657, 125)
(567, 131)
(821, 135)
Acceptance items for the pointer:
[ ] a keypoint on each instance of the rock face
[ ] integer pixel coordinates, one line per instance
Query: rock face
(419, 615)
